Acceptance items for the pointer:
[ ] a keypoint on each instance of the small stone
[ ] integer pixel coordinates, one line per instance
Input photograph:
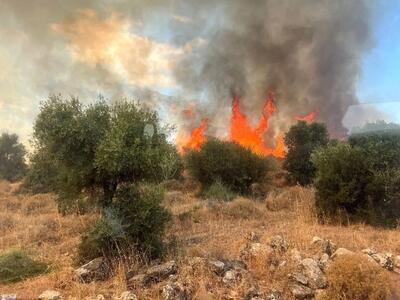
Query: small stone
(316, 279)
(328, 247)
(274, 295)
(255, 250)
(324, 260)
(252, 293)
(96, 269)
(127, 296)
(316, 239)
(385, 260)
(152, 275)
(295, 255)
(341, 251)
(50, 295)
(235, 265)
(279, 243)
(231, 277)
(368, 251)
(300, 291)
(177, 291)
(299, 277)
(218, 267)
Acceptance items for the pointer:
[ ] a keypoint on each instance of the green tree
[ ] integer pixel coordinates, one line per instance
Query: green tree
(12, 157)
(99, 146)
(301, 140)
(227, 163)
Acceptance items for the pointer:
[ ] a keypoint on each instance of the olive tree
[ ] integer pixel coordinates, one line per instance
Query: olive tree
(12, 157)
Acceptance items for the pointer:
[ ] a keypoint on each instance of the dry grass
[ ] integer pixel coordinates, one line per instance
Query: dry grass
(202, 228)
(353, 277)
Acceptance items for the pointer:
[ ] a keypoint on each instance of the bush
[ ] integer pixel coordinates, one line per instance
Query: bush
(301, 140)
(135, 220)
(243, 208)
(228, 163)
(16, 265)
(354, 277)
(348, 185)
(218, 191)
(342, 180)
(12, 157)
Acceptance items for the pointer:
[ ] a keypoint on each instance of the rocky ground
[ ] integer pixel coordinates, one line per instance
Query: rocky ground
(245, 249)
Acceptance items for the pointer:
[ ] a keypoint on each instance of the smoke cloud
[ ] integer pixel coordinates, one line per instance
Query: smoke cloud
(178, 54)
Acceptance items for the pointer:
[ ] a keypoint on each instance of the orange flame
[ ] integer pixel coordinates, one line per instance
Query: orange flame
(307, 118)
(195, 140)
(242, 133)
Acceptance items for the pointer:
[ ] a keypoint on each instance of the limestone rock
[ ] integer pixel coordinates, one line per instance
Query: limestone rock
(94, 270)
(328, 247)
(295, 255)
(255, 250)
(299, 277)
(232, 277)
(274, 295)
(8, 297)
(252, 293)
(300, 291)
(369, 251)
(323, 261)
(127, 296)
(217, 266)
(316, 240)
(279, 243)
(316, 279)
(341, 251)
(177, 291)
(50, 295)
(385, 260)
(152, 275)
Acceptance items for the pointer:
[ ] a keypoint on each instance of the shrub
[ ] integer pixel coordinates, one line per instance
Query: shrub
(348, 184)
(228, 163)
(342, 181)
(243, 208)
(301, 140)
(354, 277)
(12, 161)
(136, 220)
(16, 265)
(218, 191)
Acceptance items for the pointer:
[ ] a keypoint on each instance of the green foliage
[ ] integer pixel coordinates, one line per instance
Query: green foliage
(218, 191)
(136, 218)
(228, 163)
(12, 161)
(381, 142)
(98, 147)
(16, 265)
(348, 185)
(301, 140)
(42, 175)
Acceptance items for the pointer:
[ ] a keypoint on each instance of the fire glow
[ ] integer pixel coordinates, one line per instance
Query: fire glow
(241, 131)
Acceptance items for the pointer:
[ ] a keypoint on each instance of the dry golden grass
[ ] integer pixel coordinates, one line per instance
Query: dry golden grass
(202, 228)
(353, 277)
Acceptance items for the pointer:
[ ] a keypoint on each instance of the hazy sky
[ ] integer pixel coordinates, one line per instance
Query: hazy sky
(84, 48)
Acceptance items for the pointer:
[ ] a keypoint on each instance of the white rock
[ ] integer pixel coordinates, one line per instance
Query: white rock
(342, 251)
(316, 239)
(8, 297)
(316, 279)
(50, 295)
(300, 291)
(127, 296)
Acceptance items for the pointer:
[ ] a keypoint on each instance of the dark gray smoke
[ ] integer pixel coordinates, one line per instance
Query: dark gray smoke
(307, 51)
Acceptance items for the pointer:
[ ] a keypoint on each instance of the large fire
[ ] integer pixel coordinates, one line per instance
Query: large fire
(241, 131)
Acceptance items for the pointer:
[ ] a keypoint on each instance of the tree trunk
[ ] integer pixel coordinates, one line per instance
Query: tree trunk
(109, 189)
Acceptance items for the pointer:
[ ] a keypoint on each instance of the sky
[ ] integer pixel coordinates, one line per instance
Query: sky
(89, 47)
(380, 75)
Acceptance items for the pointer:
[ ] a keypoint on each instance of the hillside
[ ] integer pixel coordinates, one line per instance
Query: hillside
(201, 231)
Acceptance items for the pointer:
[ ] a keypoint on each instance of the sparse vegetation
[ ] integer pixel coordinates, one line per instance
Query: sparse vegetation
(301, 140)
(218, 191)
(228, 163)
(12, 157)
(16, 265)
